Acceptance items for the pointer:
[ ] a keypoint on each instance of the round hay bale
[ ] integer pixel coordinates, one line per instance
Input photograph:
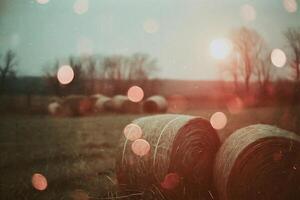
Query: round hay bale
(180, 159)
(259, 162)
(155, 104)
(99, 105)
(54, 108)
(116, 103)
(76, 105)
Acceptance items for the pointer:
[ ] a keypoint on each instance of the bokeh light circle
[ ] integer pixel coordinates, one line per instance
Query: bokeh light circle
(39, 182)
(278, 58)
(132, 132)
(218, 120)
(248, 12)
(42, 1)
(81, 6)
(290, 5)
(151, 26)
(65, 74)
(135, 94)
(220, 48)
(140, 147)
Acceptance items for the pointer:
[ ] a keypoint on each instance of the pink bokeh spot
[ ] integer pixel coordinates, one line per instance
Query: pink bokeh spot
(135, 94)
(218, 120)
(39, 182)
(65, 74)
(140, 147)
(132, 132)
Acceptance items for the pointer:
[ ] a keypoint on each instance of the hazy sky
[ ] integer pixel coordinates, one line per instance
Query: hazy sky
(176, 32)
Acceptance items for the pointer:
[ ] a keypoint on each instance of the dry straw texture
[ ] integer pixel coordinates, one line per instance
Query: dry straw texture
(155, 104)
(259, 162)
(180, 144)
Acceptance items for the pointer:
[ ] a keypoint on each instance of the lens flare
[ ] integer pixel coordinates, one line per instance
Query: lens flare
(218, 120)
(220, 48)
(290, 5)
(278, 58)
(140, 147)
(39, 182)
(133, 132)
(151, 26)
(135, 94)
(248, 12)
(65, 74)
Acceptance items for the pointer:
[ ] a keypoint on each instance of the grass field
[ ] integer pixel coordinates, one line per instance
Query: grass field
(76, 155)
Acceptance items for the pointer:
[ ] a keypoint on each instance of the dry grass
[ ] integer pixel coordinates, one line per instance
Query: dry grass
(76, 155)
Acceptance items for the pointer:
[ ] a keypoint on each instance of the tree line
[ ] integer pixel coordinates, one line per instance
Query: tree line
(105, 74)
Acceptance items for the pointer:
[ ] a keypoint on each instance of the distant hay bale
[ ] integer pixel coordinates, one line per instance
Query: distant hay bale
(76, 105)
(99, 105)
(121, 103)
(155, 104)
(259, 162)
(180, 160)
(115, 103)
(54, 108)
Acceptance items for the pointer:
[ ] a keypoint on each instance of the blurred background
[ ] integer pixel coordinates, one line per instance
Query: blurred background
(74, 73)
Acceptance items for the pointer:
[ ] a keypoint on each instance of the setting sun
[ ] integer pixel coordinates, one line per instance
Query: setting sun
(220, 48)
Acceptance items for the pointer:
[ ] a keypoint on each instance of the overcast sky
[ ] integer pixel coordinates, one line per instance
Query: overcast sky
(175, 32)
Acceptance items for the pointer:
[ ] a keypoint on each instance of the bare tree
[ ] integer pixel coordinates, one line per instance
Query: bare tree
(247, 45)
(7, 68)
(293, 38)
(90, 66)
(120, 69)
(135, 67)
(51, 78)
(141, 67)
(263, 70)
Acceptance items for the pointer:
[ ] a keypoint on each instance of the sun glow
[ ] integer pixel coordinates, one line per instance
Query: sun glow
(220, 48)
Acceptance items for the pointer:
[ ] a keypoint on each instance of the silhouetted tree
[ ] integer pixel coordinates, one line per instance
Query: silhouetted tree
(263, 69)
(293, 38)
(247, 48)
(7, 68)
(120, 69)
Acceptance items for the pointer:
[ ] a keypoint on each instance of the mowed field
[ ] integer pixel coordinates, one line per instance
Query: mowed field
(77, 155)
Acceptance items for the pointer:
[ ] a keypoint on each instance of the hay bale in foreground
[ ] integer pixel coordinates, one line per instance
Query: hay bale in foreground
(155, 104)
(180, 160)
(76, 105)
(259, 162)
